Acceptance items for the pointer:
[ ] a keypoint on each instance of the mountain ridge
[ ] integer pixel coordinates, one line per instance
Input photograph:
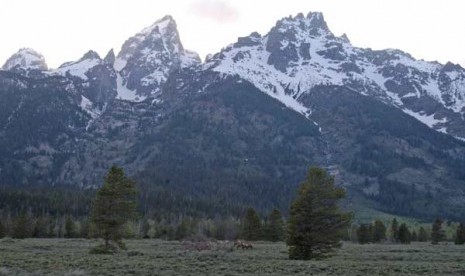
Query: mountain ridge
(248, 121)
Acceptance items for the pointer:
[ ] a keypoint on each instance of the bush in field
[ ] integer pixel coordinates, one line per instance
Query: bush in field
(103, 249)
(316, 223)
(114, 205)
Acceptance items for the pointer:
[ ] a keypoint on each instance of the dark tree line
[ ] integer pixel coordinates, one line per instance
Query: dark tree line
(377, 232)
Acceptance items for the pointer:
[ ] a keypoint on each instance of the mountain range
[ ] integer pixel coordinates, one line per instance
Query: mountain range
(242, 127)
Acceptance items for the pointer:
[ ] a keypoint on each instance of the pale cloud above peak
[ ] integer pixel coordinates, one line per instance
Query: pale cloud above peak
(215, 10)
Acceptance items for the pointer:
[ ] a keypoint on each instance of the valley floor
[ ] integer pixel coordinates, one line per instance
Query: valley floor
(155, 257)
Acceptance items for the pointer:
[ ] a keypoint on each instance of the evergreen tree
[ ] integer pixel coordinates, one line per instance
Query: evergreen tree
(422, 236)
(2, 230)
(437, 233)
(404, 234)
(379, 231)
(84, 229)
(114, 205)
(251, 226)
(70, 228)
(353, 235)
(275, 226)
(21, 227)
(316, 223)
(184, 229)
(51, 229)
(414, 236)
(40, 228)
(365, 234)
(144, 229)
(395, 230)
(460, 234)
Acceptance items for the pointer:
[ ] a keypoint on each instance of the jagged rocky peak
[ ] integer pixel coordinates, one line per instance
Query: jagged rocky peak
(345, 38)
(314, 23)
(26, 59)
(160, 36)
(292, 38)
(110, 57)
(251, 40)
(450, 67)
(317, 20)
(147, 59)
(81, 67)
(90, 55)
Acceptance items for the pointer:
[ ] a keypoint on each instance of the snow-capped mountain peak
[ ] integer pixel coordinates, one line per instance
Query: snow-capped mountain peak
(163, 26)
(90, 55)
(161, 36)
(26, 59)
(147, 59)
(81, 67)
(300, 53)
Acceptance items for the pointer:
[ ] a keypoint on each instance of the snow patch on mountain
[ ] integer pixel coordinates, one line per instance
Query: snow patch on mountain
(262, 75)
(79, 68)
(125, 93)
(119, 64)
(87, 106)
(428, 120)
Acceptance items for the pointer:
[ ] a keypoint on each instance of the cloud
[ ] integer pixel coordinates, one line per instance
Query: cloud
(215, 10)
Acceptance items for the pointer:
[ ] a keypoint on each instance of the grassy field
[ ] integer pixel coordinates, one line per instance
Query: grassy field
(154, 257)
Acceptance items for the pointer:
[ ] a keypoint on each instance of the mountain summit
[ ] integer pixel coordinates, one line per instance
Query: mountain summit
(300, 54)
(26, 59)
(146, 59)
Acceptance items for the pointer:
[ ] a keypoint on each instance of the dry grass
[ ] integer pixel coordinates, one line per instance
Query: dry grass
(154, 257)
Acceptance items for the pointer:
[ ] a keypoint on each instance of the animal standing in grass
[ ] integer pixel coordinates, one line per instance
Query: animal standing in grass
(243, 245)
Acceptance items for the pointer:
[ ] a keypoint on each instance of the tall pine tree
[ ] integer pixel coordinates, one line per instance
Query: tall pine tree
(437, 233)
(460, 234)
(404, 234)
(2, 230)
(22, 227)
(114, 205)
(379, 231)
(365, 233)
(251, 226)
(70, 228)
(275, 226)
(316, 223)
(422, 236)
(395, 230)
